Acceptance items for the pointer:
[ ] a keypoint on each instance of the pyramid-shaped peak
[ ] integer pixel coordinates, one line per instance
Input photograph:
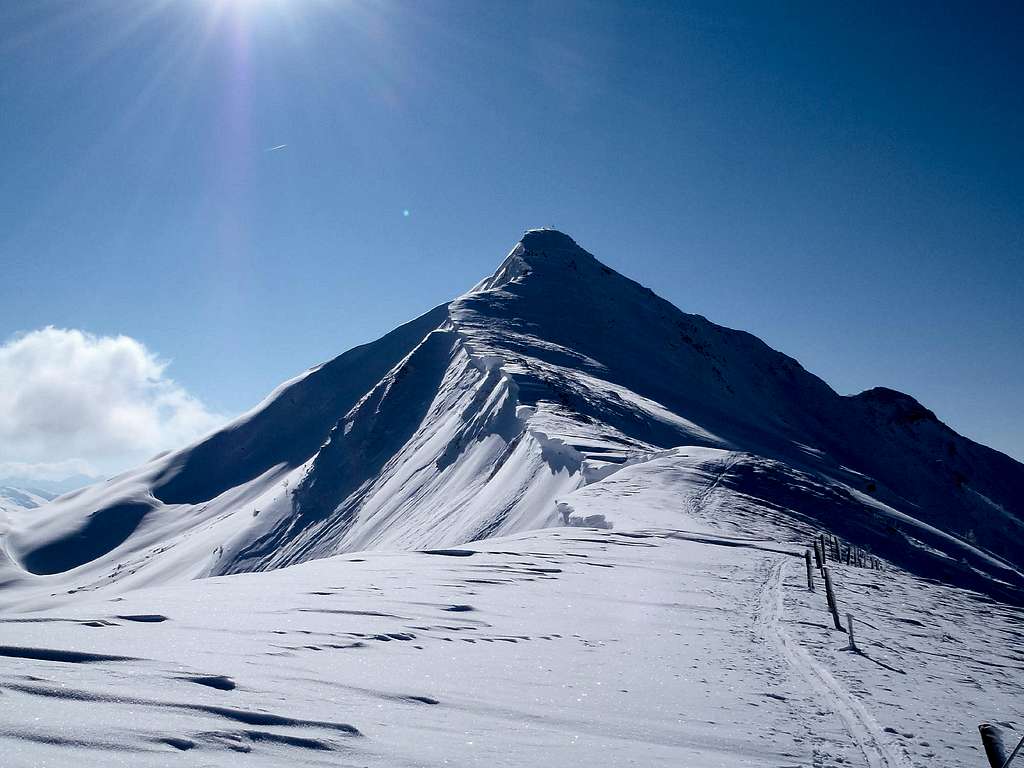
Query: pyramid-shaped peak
(549, 246)
(546, 239)
(540, 251)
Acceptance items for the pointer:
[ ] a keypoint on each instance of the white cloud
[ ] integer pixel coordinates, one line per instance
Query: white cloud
(102, 401)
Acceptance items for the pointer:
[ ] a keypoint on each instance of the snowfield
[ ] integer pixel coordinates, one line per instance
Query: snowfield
(553, 521)
(565, 647)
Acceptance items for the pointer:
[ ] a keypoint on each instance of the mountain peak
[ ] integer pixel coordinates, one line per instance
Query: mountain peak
(548, 240)
(545, 250)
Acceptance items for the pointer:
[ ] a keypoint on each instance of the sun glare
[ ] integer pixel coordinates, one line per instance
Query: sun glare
(245, 6)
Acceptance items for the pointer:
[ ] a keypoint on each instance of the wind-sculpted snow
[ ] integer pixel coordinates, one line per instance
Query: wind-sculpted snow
(546, 395)
(103, 531)
(423, 460)
(745, 493)
(298, 415)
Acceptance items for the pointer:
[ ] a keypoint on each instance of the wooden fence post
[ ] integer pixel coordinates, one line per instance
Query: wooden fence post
(817, 556)
(992, 739)
(849, 629)
(830, 596)
(1014, 753)
(810, 573)
(835, 546)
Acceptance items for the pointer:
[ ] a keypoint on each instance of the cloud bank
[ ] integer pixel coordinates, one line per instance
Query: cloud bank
(72, 399)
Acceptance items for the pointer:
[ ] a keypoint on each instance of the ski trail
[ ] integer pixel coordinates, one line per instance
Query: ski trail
(860, 724)
(698, 503)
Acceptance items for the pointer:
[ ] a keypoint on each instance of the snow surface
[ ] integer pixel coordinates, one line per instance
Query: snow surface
(564, 647)
(615, 497)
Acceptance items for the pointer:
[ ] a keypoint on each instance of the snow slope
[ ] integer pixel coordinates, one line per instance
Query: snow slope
(490, 414)
(558, 647)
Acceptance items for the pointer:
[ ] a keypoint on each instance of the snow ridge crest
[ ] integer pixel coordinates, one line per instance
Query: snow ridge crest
(546, 252)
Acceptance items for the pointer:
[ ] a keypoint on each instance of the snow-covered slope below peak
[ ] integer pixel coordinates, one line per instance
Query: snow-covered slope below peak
(434, 455)
(744, 494)
(292, 423)
(570, 330)
(553, 311)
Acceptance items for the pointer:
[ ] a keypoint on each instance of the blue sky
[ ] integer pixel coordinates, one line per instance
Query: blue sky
(847, 183)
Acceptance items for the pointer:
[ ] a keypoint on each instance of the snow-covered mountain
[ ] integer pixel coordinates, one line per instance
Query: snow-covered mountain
(554, 521)
(542, 397)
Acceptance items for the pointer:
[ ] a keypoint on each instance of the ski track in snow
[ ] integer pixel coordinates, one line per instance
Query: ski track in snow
(865, 731)
(701, 501)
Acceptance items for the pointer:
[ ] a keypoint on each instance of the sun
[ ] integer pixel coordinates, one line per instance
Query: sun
(247, 12)
(245, 6)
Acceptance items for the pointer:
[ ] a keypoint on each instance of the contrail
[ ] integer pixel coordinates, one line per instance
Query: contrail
(274, 149)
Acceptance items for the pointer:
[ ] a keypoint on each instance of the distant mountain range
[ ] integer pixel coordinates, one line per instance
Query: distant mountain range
(48, 486)
(16, 499)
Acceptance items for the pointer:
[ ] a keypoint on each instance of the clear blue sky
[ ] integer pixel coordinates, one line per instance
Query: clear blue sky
(847, 182)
